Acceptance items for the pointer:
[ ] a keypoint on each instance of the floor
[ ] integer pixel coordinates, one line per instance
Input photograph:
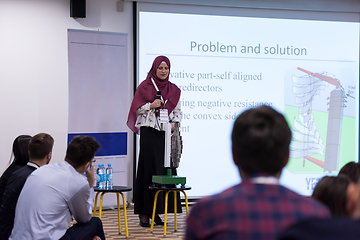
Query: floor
(110, 224)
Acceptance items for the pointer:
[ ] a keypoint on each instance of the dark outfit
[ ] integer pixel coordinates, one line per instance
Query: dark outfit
(151, 162)
(11, 195)
(152, 140)
(85, 231)
(5, 177)
(323, 229)
(250, 211)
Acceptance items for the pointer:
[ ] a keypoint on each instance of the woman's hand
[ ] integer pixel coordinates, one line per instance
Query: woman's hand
(156, 103)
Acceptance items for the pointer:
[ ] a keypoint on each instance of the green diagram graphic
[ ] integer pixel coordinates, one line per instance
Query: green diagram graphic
(323, 139)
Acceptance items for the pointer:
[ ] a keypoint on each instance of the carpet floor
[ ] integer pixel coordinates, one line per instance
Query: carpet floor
(110, 224)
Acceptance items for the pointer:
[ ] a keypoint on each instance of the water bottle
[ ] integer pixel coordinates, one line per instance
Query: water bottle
(100, 178)
(109, 176)
(97, 176)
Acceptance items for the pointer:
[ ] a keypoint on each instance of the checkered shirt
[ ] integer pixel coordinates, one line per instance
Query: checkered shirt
(250, 211)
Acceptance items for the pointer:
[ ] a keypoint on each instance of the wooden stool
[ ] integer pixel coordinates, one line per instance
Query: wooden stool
(168, 190)
(118, 190)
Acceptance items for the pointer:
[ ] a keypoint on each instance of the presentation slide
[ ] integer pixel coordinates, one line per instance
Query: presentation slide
(307, 70)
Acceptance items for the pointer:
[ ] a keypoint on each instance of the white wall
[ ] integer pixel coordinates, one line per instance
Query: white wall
(34, 66)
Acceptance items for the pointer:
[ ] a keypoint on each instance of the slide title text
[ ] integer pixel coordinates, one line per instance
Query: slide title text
(216, 47)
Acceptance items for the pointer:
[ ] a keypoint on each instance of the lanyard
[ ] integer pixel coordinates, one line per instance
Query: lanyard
(157, 89)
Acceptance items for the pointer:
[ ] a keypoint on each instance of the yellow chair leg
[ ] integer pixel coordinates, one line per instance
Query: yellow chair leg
(125, 216)
(166, 208)
(118, 212)
(186, 203)
(154, 209)
(101, 201)
(95, 204)
(175, 211)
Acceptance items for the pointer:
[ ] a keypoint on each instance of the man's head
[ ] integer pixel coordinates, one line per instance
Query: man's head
(260, 141)
(40, 147)
(81, 151)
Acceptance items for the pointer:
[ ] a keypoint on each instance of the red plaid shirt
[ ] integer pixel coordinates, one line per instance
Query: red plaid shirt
(250, 211)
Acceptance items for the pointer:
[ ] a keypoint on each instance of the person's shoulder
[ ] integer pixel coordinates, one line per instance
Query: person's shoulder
(144, 87)
(23, 170)
(307, 205)
(52, 169)
(323, 229)
(18, 174)
(10, 170)
(174, 86)
(295, 197)
(144, 84)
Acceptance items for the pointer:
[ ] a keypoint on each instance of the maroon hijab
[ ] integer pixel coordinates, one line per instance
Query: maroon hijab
(146, 92)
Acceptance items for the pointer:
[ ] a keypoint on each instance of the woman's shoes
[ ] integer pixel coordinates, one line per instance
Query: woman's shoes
(144, 220)
(144, 224)
(144, 217)
(158, 220)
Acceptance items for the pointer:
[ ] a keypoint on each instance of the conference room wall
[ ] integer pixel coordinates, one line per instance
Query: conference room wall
(34, 60)
(34, 67)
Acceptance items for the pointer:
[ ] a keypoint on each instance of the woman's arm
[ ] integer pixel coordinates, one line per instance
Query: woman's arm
(148, 106)
(143, 109)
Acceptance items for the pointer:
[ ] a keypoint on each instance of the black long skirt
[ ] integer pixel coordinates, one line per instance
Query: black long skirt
(151, 162)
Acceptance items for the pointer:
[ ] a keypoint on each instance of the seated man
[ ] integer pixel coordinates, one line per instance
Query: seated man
(40, 147)
(258, 207)
(54, 192)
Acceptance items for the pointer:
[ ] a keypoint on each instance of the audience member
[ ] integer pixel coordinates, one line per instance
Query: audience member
(333, 192)
(343, 227)
(330, 229)
(323, 229)
(21, 157)
(40, 147)
(352, 170)
(55, 192)
(258, 207)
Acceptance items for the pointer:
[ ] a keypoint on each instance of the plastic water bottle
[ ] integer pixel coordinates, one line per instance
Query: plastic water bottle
(97, 176)
(100, 178)
(109, 176)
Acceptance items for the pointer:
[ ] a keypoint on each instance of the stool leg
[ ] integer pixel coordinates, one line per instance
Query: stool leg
(186, 203)
(95, 204)
(125, 216)
(166, 208)
(118, 211)
(154, 209)
(101, 201)
(175, 211)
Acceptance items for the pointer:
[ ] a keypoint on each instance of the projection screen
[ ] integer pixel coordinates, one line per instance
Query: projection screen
(225, 60)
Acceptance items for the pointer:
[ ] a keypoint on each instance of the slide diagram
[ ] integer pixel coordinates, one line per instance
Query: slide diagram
(317, 131)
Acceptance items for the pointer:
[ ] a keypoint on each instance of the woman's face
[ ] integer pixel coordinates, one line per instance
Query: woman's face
(162, 72)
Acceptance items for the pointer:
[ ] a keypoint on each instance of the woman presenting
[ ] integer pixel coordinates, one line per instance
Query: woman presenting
(143, 118)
